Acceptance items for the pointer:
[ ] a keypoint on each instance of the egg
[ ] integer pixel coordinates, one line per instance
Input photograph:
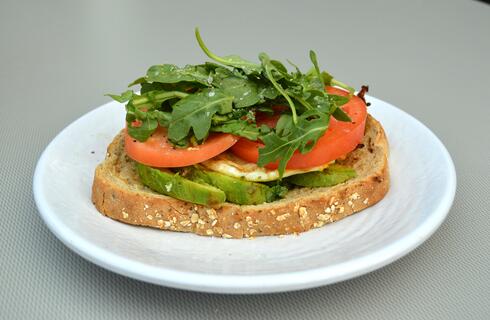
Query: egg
(231, 165)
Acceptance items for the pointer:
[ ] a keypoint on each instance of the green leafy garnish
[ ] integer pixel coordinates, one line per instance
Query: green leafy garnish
(123, 97)
(225, 95)
(244, 91)
(231, 60)
(169, 73)
(289, 137)
(240, 128)
(143, 131)
(269, 67)
(195, 112)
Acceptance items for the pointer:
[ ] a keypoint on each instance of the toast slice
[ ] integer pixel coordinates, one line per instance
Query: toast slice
(118, 193)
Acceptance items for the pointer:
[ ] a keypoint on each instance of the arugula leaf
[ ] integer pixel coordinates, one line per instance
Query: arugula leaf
(123, 97)
(298, 71)
(231, 60)
(184, 86)
(135, 113)
(152, 86)
(338, 100)
(340, 115)
(143, 131)
(279, 191)
(336, 111)
(169, 73)
(335, 82)
(268, 68)
(317, 68)
(235, 114)
(240, 128)
(267, 92)
(143, 109)
(153, 99)
(280, 69)
(162, 117)
(140, 80)
(195, 112)
(289, 137)
(244, 91)
(327, 78)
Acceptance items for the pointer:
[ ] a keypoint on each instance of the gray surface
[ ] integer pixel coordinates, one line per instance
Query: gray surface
(430, 59)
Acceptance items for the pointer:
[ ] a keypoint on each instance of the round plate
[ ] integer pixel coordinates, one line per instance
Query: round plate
(423, 183)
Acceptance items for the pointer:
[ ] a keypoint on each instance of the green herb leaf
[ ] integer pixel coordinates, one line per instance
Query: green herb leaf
(335, 82)
(340, 115)
(266, 91)
(244, 91)
(123, 97)
(337, 112)
(281, 144)
(327, 78)
(143, 132)
(183, 86)
(317, 68)
(231, 60)
(268, 68)
(239, 128)
(279, 191)
(196, 111)
(153, 99)
(140, 80)
(163, 118)
(169, 73)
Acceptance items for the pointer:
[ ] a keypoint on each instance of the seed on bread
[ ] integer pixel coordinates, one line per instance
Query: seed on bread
(324, 217)
(283, 217)
(185, 223)
(303, 213)
(194, 217)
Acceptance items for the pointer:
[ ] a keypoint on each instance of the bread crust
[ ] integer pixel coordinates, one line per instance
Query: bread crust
(118, 194)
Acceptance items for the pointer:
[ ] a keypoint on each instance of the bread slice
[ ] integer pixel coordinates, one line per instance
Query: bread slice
(118, 193)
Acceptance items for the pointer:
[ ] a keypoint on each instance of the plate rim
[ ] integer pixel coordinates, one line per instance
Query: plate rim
(240, 284)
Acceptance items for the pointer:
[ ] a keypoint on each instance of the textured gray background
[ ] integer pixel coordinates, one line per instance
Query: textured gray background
(58, 58)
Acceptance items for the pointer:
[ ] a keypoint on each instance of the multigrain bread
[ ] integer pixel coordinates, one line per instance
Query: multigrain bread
(118, 193)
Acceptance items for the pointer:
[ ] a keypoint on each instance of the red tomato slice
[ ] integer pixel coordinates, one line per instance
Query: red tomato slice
(158, 152)
(340, 138)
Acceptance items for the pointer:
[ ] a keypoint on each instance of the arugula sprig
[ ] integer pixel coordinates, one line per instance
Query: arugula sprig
(231, 60)
(224, 96)
(288, 137)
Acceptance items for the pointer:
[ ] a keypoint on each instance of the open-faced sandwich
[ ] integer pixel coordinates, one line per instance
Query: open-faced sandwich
(234, 149)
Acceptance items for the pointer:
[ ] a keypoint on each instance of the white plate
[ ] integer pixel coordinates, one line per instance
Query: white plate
(423, 183)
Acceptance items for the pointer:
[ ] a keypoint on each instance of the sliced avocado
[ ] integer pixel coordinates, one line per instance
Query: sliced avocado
(176, 186)
(237, 190)
(330, 176)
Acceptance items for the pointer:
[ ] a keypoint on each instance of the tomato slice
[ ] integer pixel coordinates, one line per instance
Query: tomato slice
(157, 151)
(340, 138)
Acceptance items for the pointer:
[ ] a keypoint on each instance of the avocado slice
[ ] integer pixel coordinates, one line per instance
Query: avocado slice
(332, 175)
(176, 186)
(237, 190)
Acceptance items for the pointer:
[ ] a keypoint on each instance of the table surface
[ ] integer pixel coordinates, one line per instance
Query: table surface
(430, 58)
